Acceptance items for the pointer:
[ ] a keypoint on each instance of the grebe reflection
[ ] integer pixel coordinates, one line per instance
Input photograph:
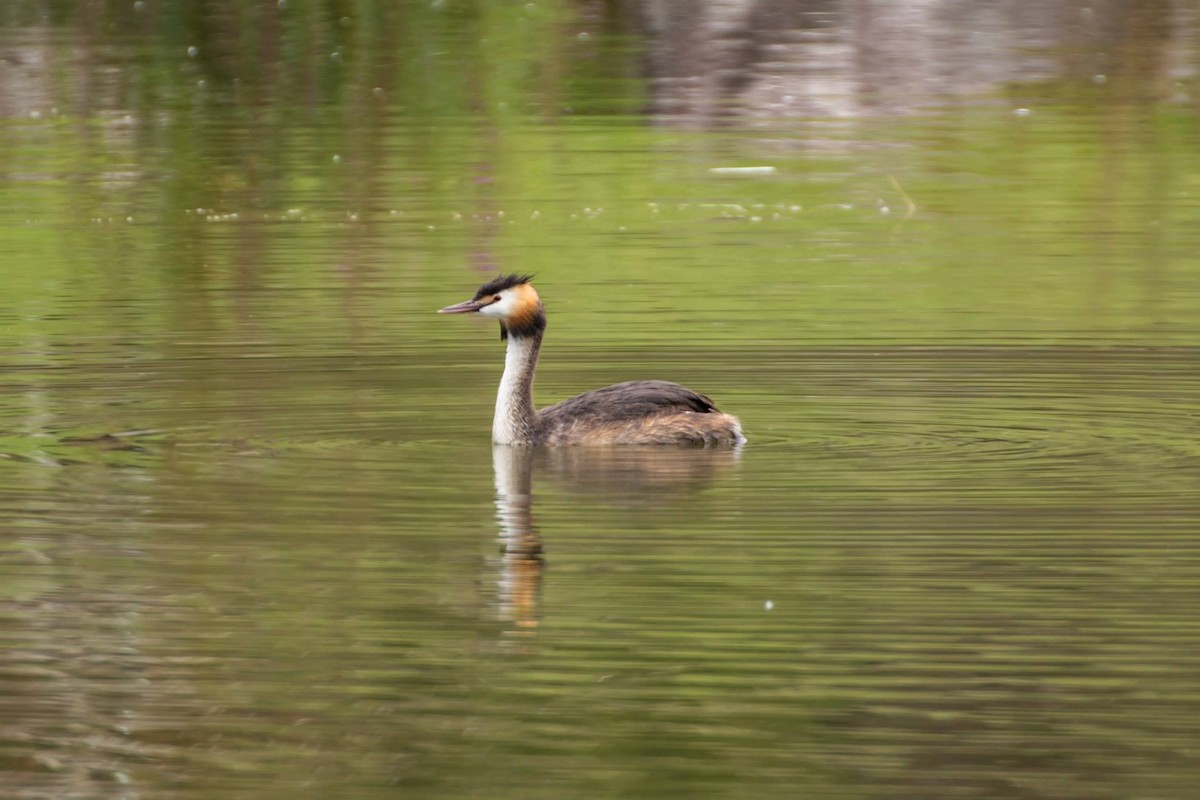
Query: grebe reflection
(601, 477)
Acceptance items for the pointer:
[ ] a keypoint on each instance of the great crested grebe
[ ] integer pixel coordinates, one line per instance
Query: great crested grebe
(634, 412)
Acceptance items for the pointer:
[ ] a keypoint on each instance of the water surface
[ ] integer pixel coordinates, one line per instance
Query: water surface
(256, 543)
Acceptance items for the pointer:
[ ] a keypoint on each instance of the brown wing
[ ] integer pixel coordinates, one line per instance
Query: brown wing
(629, 400)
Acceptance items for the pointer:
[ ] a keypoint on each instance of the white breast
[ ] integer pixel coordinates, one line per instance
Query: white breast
(505, 427)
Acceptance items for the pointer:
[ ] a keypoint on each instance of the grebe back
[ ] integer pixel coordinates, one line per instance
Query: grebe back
(634, 412)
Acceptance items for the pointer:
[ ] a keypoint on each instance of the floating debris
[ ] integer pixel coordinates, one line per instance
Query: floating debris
(742, 170)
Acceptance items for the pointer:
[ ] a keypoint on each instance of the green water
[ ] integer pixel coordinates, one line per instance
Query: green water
(254, 540)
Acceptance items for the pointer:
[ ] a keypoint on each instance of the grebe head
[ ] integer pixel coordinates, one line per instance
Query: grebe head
(512, 301)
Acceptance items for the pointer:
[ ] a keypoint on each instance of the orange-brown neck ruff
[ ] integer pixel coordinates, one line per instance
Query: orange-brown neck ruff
(528, 318)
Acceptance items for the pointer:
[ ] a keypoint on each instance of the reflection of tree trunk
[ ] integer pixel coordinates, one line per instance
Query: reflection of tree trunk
(1141, 37)
(1137, 70)
(366, 144)
(267, 62)
(485, 220)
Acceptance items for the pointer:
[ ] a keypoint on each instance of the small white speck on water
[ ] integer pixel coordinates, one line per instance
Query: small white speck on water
(583, 36)
(35, 114)
(282, 4)
(457, 217)
(769, 605)
(536, 215)
(201, 84)
(431, 227)
(884, 210)
(742, 170)
(1022, 112)
(337, 159)
(1100, 79)
(193, 51)
(621, 229)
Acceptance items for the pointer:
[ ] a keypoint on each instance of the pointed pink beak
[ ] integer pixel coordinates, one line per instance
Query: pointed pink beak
(463, 308)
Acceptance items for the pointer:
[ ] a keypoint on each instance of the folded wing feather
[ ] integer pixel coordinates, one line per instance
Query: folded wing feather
(629, 400)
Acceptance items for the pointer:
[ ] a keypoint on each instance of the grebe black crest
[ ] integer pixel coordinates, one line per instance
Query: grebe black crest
(634, 412)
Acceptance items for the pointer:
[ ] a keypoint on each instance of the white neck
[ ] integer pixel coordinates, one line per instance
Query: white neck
(513, 423)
